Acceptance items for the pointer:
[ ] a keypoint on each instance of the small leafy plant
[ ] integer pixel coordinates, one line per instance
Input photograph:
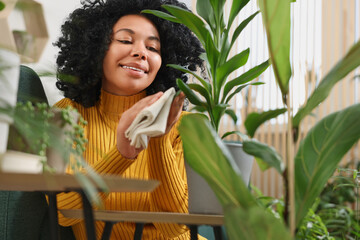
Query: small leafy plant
(36, 128)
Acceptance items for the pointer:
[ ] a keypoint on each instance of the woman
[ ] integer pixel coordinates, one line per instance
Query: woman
(117, 58)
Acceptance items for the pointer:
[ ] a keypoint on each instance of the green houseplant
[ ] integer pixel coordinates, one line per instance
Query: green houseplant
(212, 94)
(306, 172)
(213, 91)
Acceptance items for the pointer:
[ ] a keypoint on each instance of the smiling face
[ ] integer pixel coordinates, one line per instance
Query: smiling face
(133, 59)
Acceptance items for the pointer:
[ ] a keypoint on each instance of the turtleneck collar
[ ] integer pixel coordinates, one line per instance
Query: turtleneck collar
(110, 104)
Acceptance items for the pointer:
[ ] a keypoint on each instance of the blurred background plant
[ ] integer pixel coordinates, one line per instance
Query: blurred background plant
(335, 213)
(339, 205)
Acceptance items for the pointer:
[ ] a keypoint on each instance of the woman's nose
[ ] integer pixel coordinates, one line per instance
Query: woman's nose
(139, 52)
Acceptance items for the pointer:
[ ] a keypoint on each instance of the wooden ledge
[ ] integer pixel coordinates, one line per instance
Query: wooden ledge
(148, 217)
(62, 182)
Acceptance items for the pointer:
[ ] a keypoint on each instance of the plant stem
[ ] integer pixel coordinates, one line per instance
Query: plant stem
(286, 196)
(290, 169)
(357, 208)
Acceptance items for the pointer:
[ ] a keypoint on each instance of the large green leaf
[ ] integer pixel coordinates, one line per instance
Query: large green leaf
(268, 155)
(238, 133)
(162, 15)
(218, 6)
(212, 55)
(226, 45)
(231, 65)
(206, 84)
(245, 77)
(232, 114)
(205, 10)
(338, 72)
(236, 7)
(193, 22)
(200, 89)
(217, 112)
(199, 109)
(207, 155)
(254, 224)
(255, 119)
(276, 19)
(320, 153)
(237, 90)
(2, 5)
(241, 27)
(193, 98)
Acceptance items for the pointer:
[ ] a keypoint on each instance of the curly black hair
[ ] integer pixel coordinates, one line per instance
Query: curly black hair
(86, 35)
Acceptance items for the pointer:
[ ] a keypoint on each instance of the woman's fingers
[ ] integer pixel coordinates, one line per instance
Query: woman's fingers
(175, 111)
(140, 105)
(123, 144)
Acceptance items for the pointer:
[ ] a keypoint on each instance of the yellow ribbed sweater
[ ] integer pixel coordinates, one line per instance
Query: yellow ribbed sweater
(162, 160)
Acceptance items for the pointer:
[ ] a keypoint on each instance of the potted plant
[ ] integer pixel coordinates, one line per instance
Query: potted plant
(305, 173)
(48, 133)
(212, 94)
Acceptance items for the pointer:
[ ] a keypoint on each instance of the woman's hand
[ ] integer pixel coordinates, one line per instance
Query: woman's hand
(175, 111)
(122, 143)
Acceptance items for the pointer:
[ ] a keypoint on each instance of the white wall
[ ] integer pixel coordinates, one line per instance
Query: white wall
(55, 13)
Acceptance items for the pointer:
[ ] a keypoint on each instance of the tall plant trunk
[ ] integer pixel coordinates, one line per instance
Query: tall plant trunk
(290, 168)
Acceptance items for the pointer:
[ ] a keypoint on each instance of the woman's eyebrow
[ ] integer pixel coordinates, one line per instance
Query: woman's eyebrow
(153, 38)
(126, 30)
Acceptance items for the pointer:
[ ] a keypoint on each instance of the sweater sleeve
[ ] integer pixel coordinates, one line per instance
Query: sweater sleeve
(167, 165)
(111, 162)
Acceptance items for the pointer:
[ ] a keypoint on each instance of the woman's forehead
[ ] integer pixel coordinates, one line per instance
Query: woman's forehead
(135, 24)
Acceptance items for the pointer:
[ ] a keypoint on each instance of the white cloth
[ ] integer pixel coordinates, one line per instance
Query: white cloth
(151, 121)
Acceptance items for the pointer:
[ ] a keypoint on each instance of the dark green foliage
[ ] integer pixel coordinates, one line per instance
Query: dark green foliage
(337, 201)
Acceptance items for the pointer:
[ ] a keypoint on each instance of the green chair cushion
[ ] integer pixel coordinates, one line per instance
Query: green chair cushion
(24, 215)
(30, 86)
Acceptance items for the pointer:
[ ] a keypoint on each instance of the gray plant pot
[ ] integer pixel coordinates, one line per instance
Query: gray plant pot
(202, 199)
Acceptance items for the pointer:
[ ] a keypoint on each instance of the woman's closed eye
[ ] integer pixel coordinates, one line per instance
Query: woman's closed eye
(124, 41)
(153, 49)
